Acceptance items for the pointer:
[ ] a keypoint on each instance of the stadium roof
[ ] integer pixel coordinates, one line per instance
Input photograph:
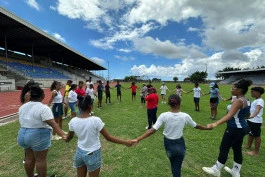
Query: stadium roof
(241, 71)
(23, 37)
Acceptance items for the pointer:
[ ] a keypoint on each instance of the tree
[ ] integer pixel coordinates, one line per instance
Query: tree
(198, 76)
(175, 79)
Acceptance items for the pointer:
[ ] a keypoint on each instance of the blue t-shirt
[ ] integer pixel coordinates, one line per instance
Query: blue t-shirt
(214, 92)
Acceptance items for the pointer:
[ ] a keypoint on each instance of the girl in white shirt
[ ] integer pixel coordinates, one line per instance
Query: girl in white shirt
(255, 121)
(72, 100)
(197, 95)
(88, 128)
(174, 143)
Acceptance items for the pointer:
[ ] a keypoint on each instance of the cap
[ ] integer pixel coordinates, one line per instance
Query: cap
(212, 84)
(258, 89)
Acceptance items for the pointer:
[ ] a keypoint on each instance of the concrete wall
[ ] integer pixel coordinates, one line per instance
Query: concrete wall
(7, 87)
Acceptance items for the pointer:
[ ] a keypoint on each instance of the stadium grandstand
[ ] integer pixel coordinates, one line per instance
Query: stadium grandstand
(27, 52)
(256, 75)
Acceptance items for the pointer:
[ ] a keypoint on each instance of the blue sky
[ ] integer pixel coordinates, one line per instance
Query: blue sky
(154, 38)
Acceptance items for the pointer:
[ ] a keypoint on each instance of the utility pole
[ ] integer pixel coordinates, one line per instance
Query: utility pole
(108, 70)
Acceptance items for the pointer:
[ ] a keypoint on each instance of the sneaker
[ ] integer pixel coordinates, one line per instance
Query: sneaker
(231, 172)
(211, 171)
(23, 161)
(53, 137)
(146, 128)
(57, 137)
(65, 132)
(36, 175)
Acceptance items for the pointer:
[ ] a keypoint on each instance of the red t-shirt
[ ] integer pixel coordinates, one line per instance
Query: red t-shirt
(152, 100)
(133, 87)
(80, 92)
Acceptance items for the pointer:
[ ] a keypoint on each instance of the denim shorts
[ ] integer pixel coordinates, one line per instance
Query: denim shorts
(72, 106)
(92, 160)
(37, 139)
(57, 110)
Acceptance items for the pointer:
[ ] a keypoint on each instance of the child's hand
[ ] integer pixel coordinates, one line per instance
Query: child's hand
(135, 142)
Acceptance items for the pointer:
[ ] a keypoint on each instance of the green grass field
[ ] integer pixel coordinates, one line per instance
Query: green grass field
(127, 120)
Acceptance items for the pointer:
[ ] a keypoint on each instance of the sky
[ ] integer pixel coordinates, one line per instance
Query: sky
(154, 38)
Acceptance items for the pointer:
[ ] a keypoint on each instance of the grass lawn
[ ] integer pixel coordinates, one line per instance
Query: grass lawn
(128, 120)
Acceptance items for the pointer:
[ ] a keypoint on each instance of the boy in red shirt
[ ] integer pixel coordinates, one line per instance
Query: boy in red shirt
(134, 88)
(152, 102)
(80, 91)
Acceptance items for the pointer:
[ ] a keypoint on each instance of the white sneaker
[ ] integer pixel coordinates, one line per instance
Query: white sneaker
(57, 137)
(231, 172)
(53, 137)
(211, 171)
(65, 132)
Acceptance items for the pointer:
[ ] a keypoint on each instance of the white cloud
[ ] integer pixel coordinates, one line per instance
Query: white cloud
(125, 50)
(188, 66)
(59, 37)
(191, 29)
(98, 60)
(167, 49)
(33, 4)
(124, 58)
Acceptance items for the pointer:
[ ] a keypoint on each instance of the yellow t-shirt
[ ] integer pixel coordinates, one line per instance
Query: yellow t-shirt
(67, 88)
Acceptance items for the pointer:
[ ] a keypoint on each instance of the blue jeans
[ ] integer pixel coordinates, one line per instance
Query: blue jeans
(38, 139)
(92, 160)
(176, 151)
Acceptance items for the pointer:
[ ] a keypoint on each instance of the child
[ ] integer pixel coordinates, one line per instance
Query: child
(214, 99)
(179, 90)
(197, 94)
(88, 128)
(134, 88)
(100, 93)
(72, 100)
(57, 108)
(107, 91)
(255, 121)
(174, 143)
(163, 89)
(152, 102)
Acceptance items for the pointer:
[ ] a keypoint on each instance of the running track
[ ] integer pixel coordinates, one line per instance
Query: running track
(10, 101)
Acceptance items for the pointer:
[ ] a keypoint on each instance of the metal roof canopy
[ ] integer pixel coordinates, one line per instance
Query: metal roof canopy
(242, 71)
(23, 37)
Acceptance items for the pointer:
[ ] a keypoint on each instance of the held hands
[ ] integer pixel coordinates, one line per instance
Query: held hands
(211, 126)
(130, 143)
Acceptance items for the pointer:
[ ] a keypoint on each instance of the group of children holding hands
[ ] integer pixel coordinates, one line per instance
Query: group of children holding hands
(87, 127)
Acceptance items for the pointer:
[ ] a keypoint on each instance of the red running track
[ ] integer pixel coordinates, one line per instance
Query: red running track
(10, 101)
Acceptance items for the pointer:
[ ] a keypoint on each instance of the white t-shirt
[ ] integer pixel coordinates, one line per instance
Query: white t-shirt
(254, 104)
(72, 96)
(90, 91)
(178, 91)
(33, 114)
(163, 89)
(88, 84)
(174, 124)
(87, 131)
(197, 92)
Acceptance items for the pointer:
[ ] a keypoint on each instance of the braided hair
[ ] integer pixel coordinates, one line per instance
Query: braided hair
(174, 100)
(84, 102)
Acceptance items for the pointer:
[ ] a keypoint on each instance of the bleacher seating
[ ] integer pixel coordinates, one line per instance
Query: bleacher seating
(34, 71)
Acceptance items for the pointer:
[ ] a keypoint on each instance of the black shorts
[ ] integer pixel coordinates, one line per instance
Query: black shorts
(133, 93)
(118, 93)
(214, 100)
(254, 129)
(196, 100)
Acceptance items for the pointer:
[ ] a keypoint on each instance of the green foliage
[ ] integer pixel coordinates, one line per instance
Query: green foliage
(175, 79)
(198, 76)
(127, 120)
